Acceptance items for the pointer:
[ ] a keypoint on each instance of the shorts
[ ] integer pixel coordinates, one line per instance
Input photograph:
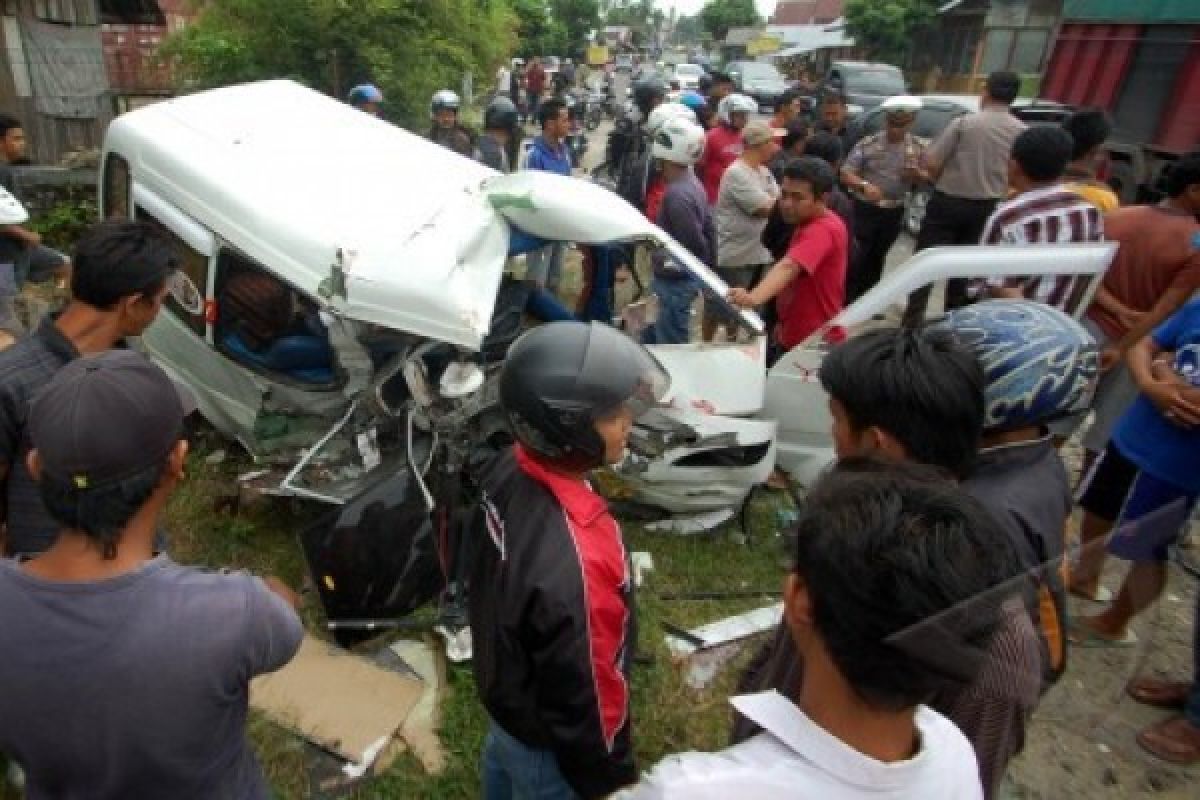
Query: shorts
(1117, 490)
(736, 278)
(1115, 393)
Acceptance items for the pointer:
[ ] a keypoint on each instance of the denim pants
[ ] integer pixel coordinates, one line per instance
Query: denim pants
(675, 297)
(545, 265)
(514, 771)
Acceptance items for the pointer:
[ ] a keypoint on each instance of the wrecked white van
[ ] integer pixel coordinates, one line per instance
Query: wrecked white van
(380, 257)
(344, 300)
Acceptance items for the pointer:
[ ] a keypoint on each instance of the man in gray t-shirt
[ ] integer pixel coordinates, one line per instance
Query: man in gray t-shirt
(746, 196)
(125, 675)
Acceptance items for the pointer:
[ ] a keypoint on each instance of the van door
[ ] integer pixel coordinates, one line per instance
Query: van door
(794, 395)
(180, 340)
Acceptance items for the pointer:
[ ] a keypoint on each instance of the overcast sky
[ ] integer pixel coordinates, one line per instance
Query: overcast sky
(765, 7)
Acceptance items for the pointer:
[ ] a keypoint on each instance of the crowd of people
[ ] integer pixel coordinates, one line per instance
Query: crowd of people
(926, 604)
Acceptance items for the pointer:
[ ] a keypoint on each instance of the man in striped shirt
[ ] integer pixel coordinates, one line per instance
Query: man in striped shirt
(1043, 211)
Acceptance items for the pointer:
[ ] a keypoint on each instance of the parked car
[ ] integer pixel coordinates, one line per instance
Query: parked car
(688, 76)
(623, 62)
(937, 111)
(760, 80)
(864, 84)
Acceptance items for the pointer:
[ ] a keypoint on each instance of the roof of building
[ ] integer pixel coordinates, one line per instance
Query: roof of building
(806, 12)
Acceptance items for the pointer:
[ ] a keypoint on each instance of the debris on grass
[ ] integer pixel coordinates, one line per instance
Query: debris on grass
(705, 650)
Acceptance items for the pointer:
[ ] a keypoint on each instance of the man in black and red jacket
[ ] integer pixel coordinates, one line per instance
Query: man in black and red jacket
(550, 605)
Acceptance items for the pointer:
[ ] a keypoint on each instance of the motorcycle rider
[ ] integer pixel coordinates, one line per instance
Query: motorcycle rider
(499, 139)
(629, 145)
(366, 97)
(724, 142)
(655, 186)
(699, 106)
(446, 131)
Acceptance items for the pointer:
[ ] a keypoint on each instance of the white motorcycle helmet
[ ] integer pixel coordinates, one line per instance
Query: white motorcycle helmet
(11, 210)
(444, 99)
(679, 141)
(734, 104)
(667, 111)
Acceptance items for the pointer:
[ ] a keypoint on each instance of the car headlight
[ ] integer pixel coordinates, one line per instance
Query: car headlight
(853, 108)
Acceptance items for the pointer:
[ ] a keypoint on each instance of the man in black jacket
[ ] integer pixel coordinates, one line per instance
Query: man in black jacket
(550, 606)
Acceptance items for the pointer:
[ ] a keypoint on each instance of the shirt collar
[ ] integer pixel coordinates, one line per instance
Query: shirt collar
(581, 503)
(783, 719)
(53, 339)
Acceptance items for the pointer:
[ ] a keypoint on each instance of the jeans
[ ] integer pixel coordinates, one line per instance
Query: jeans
(514, 771)
(544, 266)
(675, 296)
(948, 220)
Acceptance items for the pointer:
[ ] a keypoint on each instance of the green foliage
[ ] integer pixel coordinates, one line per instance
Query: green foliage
(885, 27)
(62, 225)
(690, 29)
(555, 27)
(409, 48)
(719, 16)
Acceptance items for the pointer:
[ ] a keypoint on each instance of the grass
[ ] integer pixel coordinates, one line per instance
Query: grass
(668, 716)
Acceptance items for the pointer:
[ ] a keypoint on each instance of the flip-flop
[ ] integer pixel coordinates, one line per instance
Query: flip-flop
(1102, 595)
(1082, 636)
(1159, 693)
(1174, 739)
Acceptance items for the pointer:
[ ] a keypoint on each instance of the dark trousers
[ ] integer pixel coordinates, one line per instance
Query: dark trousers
(949, 220)
(875, 230)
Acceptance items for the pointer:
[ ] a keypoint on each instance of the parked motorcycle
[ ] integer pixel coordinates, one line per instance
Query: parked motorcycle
(594, 114)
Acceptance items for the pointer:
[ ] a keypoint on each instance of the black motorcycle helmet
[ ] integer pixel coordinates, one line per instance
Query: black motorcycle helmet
(559, 378)
(500, 114)
(649, 92)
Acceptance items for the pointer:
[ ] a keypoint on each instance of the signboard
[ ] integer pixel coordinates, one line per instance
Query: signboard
(761, 45)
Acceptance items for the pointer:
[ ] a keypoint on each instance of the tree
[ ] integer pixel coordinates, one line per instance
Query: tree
(539, 31)
(719, 16)
(884, 28)
(689, 30)
(578, 18)
(409, 48)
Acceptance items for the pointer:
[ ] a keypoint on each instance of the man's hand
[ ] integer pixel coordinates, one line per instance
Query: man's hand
(1179, 404)
(740, 298)
(1130, 318)
(283, 590)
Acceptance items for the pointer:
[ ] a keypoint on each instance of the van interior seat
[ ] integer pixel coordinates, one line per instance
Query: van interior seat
(307, 359)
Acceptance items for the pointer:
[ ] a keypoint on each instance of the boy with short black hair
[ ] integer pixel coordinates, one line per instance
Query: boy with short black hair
(23, 257)
(1089, 129)
(120, 282)
(550, 601)
(810, 280)
(862, 606)
(125, 674)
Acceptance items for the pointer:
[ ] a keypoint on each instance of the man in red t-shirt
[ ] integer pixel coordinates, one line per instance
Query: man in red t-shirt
(809, 282)
(723, 143)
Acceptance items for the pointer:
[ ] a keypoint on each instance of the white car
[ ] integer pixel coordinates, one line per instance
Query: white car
(688, 76)
(390, 254)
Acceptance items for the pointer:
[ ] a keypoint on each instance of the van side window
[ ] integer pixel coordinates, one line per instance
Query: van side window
(116, 188)
(193, 266)
(265, 325)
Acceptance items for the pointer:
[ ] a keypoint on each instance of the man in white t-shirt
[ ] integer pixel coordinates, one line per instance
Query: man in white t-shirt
(864, 604)
(746, 196)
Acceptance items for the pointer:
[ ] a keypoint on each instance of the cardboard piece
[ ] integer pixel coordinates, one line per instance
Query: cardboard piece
(337, 700)
(419, 733)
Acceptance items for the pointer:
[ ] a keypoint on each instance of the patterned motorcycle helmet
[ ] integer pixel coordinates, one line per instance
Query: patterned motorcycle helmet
(1040, 363)
(735, 104)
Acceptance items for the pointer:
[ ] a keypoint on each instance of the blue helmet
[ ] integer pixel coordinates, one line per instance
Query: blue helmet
(1040, 363)
(365, 93)
(693, 100)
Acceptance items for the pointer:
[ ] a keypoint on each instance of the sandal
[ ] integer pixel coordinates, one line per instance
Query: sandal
(1174, 739)
(1081, 635)
(1159, 693)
